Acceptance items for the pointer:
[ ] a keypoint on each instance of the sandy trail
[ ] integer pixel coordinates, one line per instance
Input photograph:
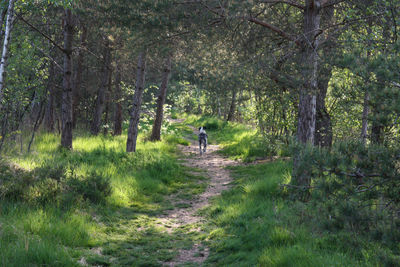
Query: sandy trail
(214, 166)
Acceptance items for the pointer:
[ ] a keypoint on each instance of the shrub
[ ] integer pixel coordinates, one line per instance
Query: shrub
(94, 188)
(51, 183)
(356, 188)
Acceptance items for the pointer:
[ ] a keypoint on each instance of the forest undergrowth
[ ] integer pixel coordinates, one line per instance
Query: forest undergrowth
(100, 206)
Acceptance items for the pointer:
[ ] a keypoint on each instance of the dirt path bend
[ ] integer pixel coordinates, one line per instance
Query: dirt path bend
(213, 165)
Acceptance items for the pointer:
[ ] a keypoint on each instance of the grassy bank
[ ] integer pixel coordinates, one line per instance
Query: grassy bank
(258, 223)
(95, 205)
(101, 206)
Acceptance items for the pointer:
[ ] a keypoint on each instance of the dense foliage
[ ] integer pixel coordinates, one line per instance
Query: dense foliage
(314, 81)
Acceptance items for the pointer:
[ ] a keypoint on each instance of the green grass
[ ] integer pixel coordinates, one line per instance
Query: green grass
(72, 222)
(55, 211)
(256, 224)
(239, 141)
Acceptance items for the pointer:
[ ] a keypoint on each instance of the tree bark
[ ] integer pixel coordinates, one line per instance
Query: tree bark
(107, 101)
(364, 127)
(66, 106)
(307, 99)
(118, 104)
(78, 77)
(323, 125)
(101, 93)
(156, 132)
(49, 116)
(377, 129)
(6, 43)
(232, 107)
(137, 102)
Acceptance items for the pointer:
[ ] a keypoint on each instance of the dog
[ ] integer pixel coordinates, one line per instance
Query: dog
(202, 139)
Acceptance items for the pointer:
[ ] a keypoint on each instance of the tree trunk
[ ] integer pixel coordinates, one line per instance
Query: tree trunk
(118, 105)
(78, 77)
(232, 107)
(101, 93)
(107, 101)
(364, 127)
(377, 130)
(137, 102)
(66, 106)
(156, 132)
(307, 99)
(323, 125)
(49, 112)
(6, 43)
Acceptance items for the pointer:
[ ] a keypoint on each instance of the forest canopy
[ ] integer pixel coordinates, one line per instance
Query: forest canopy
(316, 81)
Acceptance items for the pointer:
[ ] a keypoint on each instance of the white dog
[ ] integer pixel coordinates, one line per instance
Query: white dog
(202, 139)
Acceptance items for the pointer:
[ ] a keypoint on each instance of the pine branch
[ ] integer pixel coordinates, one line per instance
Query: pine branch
(41, 33)
(275, 29)
(291, 3)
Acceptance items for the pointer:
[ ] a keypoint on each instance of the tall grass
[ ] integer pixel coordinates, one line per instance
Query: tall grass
(255, 224)
(52, 233)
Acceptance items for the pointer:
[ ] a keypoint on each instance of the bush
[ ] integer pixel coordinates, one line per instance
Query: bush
(51, 183)
(355, 188)
(94, 188)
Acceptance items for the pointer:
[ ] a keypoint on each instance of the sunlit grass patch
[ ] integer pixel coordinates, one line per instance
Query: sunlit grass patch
(254, 224)
(239, 141)
(38, 236)
(69, 216)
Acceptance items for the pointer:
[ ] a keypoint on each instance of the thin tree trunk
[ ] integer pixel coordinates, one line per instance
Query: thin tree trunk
(377, 129)
(364, 127)
(107, 101)
(6, 43)
(38, 122)
(78, 77)
(101, 93)
(118, 104)
(156, 132)
(219, 107)
(66, 106)
(137, 102)
(49, 112)
(232, 107)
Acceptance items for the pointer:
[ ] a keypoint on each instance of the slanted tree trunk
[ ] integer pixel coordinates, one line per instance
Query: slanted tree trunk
(118, 104)
(156, 132)
(66, 106)
(76, 94)
(232, 107)
(6, 43)
(137, 102)
(101, 93)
